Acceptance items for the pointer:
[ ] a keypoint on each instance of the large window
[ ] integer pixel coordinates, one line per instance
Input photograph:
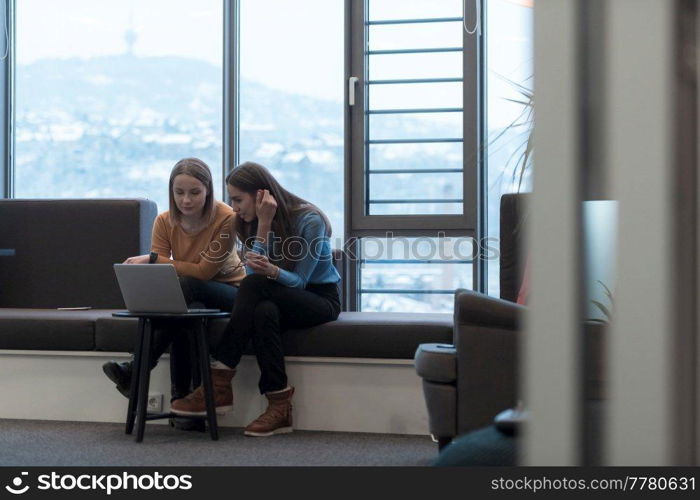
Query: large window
(384, 113)
(291, 97)
(110, 94)
(415, 153)
(413, 125)
(509, 110)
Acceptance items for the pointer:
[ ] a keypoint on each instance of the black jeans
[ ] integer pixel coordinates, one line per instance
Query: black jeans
(198, 293)
(262, 311)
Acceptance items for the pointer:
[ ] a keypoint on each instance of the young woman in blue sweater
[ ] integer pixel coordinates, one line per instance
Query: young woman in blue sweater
(290, 283)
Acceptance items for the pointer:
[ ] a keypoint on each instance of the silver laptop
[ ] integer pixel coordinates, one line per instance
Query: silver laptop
(152, 288)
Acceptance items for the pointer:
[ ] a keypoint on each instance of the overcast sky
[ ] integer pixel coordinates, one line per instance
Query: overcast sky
(291, 45)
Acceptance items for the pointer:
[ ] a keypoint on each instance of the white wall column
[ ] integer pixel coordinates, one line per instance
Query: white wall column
(551, 348)
(640, 156)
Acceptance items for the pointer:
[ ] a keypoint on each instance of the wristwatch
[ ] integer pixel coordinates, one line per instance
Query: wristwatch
(153, 257)
(275, 275)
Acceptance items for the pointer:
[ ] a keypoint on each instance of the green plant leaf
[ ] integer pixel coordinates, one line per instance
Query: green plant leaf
(526, 161)
(607, 291)
(518, 101)
(606, 312)
(523, 151)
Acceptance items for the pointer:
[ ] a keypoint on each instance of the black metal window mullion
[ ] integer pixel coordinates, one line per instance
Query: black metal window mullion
(7, 81)
(405, 201)
(405, 291)
(415, 21)
(231, 87)
(413, 51)
(414, 261)
(480, 276)
(413, 141)
(365, 105)
(410, 111)
(415, 81)
(417, 171)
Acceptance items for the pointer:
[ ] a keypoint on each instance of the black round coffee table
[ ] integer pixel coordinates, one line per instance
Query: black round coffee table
(138, 394)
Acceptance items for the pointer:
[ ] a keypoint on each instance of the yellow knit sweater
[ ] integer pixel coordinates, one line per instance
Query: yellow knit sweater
(207, 255)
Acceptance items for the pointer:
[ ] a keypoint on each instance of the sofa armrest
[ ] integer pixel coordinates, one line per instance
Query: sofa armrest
(486, 338)
(474, 308)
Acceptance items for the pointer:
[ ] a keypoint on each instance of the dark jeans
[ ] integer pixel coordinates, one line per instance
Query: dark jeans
(200, 294)
(262, 311)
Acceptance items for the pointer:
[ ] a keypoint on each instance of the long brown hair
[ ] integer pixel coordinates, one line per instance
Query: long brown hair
(250, 177)
(194, 167)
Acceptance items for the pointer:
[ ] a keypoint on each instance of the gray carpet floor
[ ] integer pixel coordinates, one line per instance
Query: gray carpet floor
(46, 443)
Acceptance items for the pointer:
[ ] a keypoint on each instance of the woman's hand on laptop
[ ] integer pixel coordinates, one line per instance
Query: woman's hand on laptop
(139, 259)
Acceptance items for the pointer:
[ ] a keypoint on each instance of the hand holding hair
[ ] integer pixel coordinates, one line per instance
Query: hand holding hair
(265, 205)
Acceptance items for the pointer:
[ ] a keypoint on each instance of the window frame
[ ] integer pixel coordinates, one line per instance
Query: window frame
(231, 98)
(356, 66)
(7, 103)
(472, 222)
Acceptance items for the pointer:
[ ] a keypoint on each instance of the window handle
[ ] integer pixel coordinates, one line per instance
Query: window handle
(352, 82)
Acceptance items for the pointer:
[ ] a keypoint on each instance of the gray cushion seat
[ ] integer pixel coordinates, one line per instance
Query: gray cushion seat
(354, 335)
(48, 329)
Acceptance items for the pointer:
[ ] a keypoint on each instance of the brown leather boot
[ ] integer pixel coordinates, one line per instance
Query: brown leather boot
(277, 419)
(195, 404)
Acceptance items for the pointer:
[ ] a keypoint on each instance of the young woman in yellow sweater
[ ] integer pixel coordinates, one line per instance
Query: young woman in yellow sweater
(196, 235)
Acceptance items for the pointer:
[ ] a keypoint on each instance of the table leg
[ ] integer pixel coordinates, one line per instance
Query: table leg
(194, 360)
(144, 380)
(194, 356)
(203, 349)
(135, 368)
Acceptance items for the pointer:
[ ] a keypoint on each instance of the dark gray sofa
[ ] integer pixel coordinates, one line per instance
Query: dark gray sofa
(470, 380)
(59, 253)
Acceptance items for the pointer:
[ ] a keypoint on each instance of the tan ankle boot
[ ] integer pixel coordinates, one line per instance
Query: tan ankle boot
(195, 404)
(277, 419)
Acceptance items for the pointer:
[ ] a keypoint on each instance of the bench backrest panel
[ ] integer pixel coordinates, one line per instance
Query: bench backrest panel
(59, 253)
